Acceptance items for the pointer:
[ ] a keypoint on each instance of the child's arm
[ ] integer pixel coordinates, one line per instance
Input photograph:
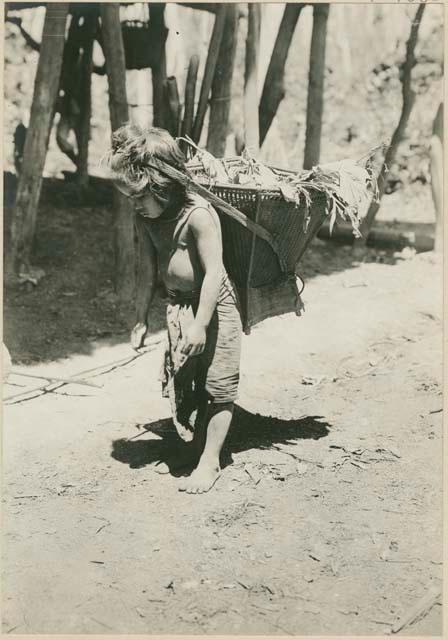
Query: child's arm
(146, 282)
(205, 229)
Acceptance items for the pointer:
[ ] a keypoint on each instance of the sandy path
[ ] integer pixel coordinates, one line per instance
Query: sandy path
(96, 542)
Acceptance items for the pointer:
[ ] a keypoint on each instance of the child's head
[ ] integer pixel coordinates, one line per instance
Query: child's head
(133, 149)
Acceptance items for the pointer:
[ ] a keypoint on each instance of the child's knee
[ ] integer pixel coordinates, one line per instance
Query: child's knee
(220, 407)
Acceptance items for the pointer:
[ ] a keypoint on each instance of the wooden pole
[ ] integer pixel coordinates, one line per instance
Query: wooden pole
(200, 6)
(41, 117)
(222, 85)
(209, 71)
(379, 238)
(398, 135)
(251, 124)
(190, 92)
(274, 89)
(85, 98)
(158, 71)
(172, 105)
(315, 102)
(68, 104)
(436, 169)
(119, 115)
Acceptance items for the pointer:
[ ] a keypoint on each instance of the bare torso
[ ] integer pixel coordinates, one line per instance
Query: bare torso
(179, 264)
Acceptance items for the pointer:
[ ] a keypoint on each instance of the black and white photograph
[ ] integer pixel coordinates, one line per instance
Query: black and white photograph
(222, 362)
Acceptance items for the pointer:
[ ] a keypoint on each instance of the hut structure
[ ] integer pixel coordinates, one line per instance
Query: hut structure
(133, 38)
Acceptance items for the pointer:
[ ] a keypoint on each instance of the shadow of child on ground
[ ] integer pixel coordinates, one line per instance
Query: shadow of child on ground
(248, 431)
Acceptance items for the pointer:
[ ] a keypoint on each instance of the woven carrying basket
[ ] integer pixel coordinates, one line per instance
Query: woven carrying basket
(265, 277)
(264, 238)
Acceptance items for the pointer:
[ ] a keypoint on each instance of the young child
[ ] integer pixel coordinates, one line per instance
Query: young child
(179, 237)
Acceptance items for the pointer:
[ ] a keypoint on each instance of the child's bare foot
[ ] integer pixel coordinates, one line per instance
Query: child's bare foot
(184, 458)
(202, 479)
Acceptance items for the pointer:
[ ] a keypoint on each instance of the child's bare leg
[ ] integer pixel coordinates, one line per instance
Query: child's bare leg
(187, 454)
(208, 470)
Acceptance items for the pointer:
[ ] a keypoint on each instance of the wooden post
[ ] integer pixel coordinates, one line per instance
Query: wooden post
(379, 237)
(85, 91)
(251, 124)
(158, 71)
(315, 102)
(30, 181)
(209, 71)
(273, 89)
(222, 85)
(119, 114)
(398, 135)
(190, 92)
(436, 168)
(172, 105)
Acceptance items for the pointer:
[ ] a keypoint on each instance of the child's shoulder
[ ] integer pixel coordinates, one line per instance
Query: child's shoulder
(196, 201)
(199, 211)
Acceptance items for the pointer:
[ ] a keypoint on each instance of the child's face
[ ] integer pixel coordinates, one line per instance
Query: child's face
(144, 202)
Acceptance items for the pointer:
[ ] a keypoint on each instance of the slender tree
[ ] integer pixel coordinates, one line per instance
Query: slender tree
(408, 96)
(315, 102)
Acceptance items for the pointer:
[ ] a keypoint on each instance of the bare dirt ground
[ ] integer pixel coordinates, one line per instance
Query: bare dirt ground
(327, 517)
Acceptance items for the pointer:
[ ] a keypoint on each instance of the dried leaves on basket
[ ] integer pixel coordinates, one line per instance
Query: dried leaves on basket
(347, 185)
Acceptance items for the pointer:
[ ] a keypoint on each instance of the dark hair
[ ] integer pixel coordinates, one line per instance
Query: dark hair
(133, 149)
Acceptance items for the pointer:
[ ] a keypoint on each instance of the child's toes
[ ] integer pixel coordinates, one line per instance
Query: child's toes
(162, 468)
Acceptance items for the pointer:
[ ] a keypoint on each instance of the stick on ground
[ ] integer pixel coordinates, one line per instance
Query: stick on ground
(420, 608)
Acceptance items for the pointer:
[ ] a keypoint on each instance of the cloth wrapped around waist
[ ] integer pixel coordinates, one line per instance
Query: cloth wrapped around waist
(190, 382)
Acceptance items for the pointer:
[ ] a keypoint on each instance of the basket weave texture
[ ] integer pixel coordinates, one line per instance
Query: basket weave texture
(265, 281)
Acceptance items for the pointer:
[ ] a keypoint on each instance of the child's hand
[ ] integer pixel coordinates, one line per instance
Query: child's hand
(138, 334)
(194, 341)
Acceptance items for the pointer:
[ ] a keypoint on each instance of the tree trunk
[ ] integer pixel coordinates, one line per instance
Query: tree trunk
(251, 124)
(85, 102)
(158, 72)
(209, 71)
(222, 85)
(45, 93)
(398, 135)
(190, 92)
(274, 89)
(119, 114)
(315, 103)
